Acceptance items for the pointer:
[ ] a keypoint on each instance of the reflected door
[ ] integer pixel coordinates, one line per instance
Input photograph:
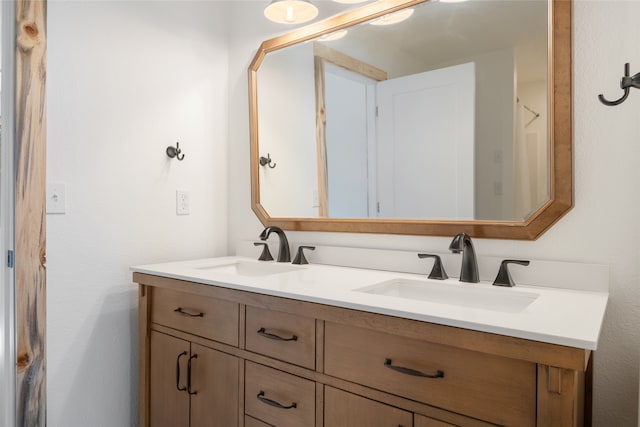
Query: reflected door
(425, 148)
(350, 129)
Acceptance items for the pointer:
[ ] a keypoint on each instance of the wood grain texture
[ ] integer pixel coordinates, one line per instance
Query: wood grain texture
(215, 382)
(301, 351)
(252, 422)
(321, 138)
(30, 250)
(560, 397)
(560, 138)
(422, 421)
(168, 407)
(218, 320)
(320, 401)
(242, 420)
(342, 409)
(144, 349)
(283, 388)
(472, 383)
(348, 63)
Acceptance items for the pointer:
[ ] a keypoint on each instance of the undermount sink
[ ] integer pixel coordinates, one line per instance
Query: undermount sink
(250, 269)
(503, 300)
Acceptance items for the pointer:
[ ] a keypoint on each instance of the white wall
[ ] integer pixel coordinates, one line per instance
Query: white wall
(603, 226)
(288, 132)
(125, 80)
(495, 87)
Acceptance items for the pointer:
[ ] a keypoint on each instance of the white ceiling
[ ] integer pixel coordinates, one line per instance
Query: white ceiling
(440, 33)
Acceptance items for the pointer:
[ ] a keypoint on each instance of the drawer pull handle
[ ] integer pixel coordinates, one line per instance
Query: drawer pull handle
(195, 356)
(264, 333)
(412, 372)
(184, 353)
(179, 310)
(273, 403)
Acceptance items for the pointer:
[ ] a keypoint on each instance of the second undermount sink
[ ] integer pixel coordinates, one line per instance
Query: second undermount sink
(502, 300)
(249, 269)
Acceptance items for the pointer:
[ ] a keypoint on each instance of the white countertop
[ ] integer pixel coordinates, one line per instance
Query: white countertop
(558, 316)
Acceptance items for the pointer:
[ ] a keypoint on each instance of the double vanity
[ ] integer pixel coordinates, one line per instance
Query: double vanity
(235, 341)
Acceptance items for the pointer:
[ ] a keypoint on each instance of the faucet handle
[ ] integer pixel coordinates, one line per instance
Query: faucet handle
(504, 277)
(300, 258)
(265, 255)
(437, 271)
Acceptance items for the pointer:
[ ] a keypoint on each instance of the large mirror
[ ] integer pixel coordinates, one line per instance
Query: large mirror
(457, 118)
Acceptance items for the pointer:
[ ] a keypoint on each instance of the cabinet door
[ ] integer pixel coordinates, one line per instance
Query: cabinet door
(342, 409)
(168, 406)
(214, 380)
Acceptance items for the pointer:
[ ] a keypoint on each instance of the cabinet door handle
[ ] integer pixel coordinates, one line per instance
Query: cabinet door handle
(264, 333)
(184, 353)
(179, 310)
(195, 356)
(273, 403)
(412, 372)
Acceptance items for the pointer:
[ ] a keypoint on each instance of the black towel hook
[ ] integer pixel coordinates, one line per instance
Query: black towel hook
(175, 152)
(626, 83)
(267, 161)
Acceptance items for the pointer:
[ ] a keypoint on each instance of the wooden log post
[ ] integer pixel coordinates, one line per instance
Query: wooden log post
(30, 274)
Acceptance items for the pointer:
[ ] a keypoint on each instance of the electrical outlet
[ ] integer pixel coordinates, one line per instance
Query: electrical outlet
(182, 202)
(56, 199)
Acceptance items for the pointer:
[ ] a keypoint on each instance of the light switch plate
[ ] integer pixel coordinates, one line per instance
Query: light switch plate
(56, 198)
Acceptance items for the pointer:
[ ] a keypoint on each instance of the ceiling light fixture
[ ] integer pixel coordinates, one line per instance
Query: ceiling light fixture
(290, 11)
(393, 18)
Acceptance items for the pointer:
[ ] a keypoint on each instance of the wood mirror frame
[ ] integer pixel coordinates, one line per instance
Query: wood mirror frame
(560, 139)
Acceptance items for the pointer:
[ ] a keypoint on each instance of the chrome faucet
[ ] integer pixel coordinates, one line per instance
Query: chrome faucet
(283, 250)
(469, 270)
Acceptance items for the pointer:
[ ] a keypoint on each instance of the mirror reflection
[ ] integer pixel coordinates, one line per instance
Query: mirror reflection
(441, 116)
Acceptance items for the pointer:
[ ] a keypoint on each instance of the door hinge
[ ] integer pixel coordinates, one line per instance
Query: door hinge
(378, 207)
(10, 259)
(377, 111)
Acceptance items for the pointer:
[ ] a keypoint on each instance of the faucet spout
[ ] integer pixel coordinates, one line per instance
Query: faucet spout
(284, 254)
(469, 269)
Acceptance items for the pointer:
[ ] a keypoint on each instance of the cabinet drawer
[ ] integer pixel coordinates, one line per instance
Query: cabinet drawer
(252, 422)
(422, 421)
(342, 409)
(281, 335)
(206, 317)
(492, 388)
(278, 398)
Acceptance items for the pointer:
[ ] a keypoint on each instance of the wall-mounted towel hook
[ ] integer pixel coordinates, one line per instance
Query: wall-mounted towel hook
(267, 161)
(626, 83)
(175, 152)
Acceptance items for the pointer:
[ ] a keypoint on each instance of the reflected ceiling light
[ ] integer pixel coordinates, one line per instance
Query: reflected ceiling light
(349, 1)
(290, 11)
(336, 35)
(393, 18)
(452, 1)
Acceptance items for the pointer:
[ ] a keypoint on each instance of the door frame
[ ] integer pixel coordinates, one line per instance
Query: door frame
(30, 213)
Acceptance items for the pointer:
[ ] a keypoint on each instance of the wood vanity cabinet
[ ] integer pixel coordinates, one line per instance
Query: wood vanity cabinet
(189, 382)
(252, 360)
